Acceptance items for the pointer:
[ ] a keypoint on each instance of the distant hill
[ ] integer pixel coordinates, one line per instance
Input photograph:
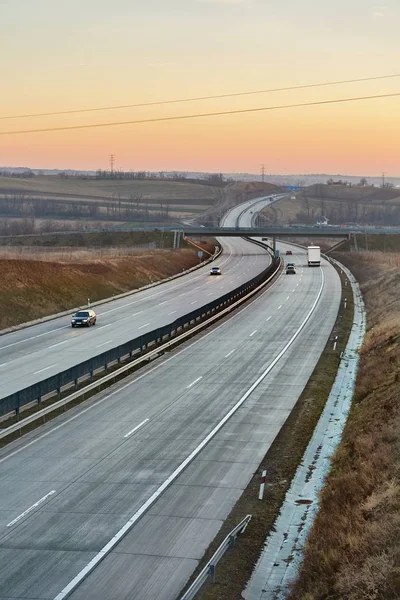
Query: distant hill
(296, 179)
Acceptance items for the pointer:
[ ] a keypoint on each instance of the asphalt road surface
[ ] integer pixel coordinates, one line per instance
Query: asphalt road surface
(162, 457)
(34, 353)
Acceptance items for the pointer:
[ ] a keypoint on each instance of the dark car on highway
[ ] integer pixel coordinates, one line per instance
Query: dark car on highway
(85, 318)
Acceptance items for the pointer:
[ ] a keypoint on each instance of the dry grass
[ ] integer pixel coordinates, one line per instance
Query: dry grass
(72, 255)
(30, 289)
(147, 189)
(353, 551)
(101, 239)
(281, 462)
(282, 211)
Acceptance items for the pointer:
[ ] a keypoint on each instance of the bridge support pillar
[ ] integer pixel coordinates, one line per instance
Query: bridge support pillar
(177, 239)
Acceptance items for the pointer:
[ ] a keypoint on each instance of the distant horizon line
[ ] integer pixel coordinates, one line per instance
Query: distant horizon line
(178, 171)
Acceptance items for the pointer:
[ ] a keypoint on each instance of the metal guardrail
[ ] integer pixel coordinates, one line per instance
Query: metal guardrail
(162, 338)
(209, 570)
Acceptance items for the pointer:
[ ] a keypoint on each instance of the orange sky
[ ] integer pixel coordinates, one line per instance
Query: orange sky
(93, 53)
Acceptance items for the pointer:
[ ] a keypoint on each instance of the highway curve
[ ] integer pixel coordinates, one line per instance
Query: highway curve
(34, 353)
(157, 457)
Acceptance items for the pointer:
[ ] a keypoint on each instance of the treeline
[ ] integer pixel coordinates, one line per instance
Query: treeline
(362, 183)
(23, 175)
(9, 227)
(215, 179)
(354, 211)
(115, 208)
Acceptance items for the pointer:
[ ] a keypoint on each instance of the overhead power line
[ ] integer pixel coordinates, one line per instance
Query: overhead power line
(194, 99)
(199, 115)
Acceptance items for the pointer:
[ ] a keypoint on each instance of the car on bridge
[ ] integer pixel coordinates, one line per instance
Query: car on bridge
(85, 318)
(289, 252)
(215, 271)
(290, 269)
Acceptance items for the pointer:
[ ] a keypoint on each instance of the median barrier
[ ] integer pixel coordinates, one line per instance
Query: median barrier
(137, 350)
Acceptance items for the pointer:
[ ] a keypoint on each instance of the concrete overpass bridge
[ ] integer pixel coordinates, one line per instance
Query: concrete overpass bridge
(271, 232)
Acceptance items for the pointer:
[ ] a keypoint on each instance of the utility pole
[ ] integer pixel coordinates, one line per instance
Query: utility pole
(262, 173)
(112, 160)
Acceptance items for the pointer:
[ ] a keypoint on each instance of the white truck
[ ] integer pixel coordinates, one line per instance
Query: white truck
(314, 256)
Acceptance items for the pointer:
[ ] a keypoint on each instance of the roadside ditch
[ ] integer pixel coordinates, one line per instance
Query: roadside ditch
(353, 550)
(281, 463)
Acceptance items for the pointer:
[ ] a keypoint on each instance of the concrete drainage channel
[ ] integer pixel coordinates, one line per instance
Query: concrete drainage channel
(283, 552)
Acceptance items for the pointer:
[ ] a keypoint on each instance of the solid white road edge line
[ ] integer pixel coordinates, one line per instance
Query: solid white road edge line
(146, 374)
(68, 589)
(136, 428)
(11, 523)
(118, 307)
(157, 366)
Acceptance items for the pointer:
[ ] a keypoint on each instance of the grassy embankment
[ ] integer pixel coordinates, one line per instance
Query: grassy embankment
(32, 288)
(281, 463)
(353, 551)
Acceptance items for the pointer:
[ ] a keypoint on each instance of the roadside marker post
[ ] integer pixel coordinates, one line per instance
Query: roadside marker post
(262, 485)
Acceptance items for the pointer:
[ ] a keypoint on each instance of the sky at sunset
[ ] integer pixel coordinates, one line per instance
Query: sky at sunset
(58, 56)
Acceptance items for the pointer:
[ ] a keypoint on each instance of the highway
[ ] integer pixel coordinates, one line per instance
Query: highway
(54, 345)
(161, 457)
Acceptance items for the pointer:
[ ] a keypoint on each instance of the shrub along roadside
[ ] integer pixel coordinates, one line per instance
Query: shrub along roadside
(281, 462)
(353, 551)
